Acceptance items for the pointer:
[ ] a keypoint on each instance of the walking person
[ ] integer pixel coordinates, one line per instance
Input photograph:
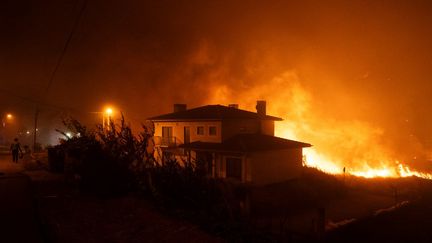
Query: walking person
(16, 149)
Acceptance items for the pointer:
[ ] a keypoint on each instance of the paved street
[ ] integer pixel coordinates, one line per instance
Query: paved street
(17, 212)
(8, 167)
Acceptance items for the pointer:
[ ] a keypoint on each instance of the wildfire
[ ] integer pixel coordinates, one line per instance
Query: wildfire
(395, 169)
(339, 146)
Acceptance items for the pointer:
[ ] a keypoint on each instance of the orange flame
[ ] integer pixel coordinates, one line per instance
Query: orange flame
(352, 146)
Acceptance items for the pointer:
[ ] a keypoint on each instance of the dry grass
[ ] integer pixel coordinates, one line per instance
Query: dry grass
(293, 205)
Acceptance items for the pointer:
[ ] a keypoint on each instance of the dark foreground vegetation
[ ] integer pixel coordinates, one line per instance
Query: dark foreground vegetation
(112, 190)
(113, 162)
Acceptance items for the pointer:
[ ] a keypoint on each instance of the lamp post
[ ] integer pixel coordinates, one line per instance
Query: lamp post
(5, 119)
(107, 116)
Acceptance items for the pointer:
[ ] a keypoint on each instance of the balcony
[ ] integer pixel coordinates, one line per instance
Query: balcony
(168, 142)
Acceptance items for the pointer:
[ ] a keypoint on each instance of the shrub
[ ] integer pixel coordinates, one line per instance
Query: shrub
(113, 161)
(105, 160)
(184, 186)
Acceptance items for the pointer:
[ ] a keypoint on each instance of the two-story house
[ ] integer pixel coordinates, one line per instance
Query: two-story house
(230, 142)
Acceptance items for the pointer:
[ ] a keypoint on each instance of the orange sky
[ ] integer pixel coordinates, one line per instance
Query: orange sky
(359, 60)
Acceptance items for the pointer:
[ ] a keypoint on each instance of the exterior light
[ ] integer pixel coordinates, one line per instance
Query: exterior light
(107, 115)
(28, 132)
(109, 111)
(9, 116)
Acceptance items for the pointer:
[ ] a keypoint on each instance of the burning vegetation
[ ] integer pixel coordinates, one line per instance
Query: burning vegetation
(339, 146)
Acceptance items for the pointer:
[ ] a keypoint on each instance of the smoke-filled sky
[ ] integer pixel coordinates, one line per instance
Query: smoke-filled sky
(367, 61)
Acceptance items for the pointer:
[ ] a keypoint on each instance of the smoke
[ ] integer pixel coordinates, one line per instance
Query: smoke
(338, 143)
(352, 78)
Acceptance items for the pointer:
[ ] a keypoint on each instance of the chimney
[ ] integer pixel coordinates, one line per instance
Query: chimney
(179, 107)
(261, 107)
(235, 106)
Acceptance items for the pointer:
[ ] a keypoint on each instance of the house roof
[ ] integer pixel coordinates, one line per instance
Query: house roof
(213, 112)
(247, 143)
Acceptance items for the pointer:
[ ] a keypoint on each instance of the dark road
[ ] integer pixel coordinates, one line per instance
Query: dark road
(18, 218)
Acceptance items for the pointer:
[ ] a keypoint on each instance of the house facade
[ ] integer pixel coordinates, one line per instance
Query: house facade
(229, 143)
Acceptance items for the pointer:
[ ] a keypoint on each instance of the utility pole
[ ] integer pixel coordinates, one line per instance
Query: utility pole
(57, 66)
(35, 129)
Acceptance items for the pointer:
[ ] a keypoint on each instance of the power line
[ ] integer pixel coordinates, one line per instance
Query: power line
(62, 54)
(9, 93)
(59, 61)
(33, 101)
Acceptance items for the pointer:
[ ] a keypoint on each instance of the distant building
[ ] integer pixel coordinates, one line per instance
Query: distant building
(229, 142)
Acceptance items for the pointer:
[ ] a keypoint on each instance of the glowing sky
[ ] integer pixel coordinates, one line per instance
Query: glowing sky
(359, 60)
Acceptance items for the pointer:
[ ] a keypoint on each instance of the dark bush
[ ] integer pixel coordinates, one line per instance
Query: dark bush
(56, 159)
(184, 186)
(104, 161)
(113, 161)
(100, 173)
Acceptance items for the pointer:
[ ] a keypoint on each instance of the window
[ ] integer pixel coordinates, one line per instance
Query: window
(186, 134)
(234, 168)
(212, 130)
(200, 130)
(166, 132)
(167, 136)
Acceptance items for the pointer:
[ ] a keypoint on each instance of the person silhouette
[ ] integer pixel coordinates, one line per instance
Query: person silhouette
(16, 149)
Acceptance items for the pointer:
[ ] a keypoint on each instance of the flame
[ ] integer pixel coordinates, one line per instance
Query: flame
(339, 146)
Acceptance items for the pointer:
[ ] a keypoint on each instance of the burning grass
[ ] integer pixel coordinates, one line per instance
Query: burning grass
(349, 145)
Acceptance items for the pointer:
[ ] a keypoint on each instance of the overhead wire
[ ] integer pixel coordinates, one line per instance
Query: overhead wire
(57, 66)
(67, 43)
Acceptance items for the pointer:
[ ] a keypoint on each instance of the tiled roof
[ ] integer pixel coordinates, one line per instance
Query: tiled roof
(213, 112)
(247, 143)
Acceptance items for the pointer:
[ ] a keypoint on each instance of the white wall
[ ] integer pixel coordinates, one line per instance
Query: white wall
(234, 127)
(267, 127)
(275, 166)
(178, 130)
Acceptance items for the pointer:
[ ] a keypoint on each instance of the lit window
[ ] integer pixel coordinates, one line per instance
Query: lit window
(212, 130)
(200, 130)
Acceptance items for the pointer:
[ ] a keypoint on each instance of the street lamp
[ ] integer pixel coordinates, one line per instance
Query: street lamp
(107, 116)
(109, 111)
(6, 120)
(8, 117)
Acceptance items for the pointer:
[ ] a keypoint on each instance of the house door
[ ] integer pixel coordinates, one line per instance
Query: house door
(186, 134)
(234, 168)
(205, 162)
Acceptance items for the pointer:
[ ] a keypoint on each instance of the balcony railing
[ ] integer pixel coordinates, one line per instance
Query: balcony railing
(166, 141)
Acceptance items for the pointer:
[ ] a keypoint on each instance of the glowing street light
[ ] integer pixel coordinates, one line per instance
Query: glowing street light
(6, 119)
(7, 126)
(107, 116)
(109, 111)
